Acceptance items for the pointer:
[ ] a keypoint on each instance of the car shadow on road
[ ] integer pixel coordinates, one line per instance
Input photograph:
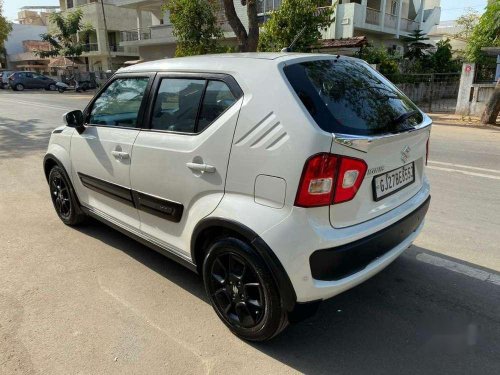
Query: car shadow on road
(413, 317)
(18, 138)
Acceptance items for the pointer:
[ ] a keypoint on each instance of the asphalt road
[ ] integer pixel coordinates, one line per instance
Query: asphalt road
(91, 301)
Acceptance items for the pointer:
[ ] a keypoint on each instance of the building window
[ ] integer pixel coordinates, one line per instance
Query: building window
(69, 4)
(394, 7)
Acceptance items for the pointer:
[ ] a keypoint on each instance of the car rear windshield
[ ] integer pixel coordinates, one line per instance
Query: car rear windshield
(348, 96)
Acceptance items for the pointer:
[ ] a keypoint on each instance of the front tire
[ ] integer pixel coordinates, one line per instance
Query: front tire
(19, 87)
(52, 87)
(63, 198)
(242, 291)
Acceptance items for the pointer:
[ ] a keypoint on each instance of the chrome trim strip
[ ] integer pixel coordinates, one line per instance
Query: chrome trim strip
(365, 143)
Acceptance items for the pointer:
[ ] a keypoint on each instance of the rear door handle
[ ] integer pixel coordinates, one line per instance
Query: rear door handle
(205, 168)
(120, 155)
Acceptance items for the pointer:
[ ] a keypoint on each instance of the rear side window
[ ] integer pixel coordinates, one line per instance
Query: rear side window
(217, 99)
(347, 96)
(189, 105)
(177, 103)
(119, 103)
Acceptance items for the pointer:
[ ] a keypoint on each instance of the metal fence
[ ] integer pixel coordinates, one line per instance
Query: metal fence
(436, 92)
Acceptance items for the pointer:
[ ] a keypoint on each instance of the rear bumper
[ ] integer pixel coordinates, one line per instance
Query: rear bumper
(339, 262)
(297, 238)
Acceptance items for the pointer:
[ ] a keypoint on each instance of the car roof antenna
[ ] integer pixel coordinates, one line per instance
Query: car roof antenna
(294, 41)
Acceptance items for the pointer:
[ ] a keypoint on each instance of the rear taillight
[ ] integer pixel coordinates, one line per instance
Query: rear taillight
(328, 179)
(427, 151)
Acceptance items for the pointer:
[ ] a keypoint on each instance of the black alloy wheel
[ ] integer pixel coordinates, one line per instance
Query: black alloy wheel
(242, 291)
(63, 198)
(237, 290)
(60, 196)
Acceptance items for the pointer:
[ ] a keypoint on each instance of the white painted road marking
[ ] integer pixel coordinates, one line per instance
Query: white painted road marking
(465, 166)
(465, 172)
(460, 268)
(37, 104)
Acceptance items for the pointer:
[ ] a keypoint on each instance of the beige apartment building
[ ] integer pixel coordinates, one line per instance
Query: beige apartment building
(103, 50)
(382, 22)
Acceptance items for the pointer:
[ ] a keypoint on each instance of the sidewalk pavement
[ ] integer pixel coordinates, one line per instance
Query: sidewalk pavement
(453, 119)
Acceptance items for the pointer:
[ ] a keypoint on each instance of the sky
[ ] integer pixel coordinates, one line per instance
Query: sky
(450, 9)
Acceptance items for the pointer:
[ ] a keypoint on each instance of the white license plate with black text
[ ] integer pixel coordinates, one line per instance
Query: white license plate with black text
(390, 182)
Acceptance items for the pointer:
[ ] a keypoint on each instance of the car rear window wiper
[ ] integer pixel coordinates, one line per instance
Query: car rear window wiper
(405, 116)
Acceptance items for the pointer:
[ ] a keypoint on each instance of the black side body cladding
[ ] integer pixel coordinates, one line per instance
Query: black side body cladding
(114, 191)
(163, 208)
(338, 262)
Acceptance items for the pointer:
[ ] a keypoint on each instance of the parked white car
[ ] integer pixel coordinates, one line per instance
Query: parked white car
(283, 179)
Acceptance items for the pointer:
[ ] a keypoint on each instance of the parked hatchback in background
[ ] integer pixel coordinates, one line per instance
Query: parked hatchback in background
(4, 78)
(19, 81)
(283, 179)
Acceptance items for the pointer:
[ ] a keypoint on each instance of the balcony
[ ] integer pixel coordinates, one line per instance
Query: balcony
(408, 25)
(90, 47)
(159, 34)
(372, 16)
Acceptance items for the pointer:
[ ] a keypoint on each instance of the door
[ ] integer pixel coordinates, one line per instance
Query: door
(179, 166)
(28, 80)
(102, 154)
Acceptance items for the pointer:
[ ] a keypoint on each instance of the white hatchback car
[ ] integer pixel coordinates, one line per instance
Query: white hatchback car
(283, 179)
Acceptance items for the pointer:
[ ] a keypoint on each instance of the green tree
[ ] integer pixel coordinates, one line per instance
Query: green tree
(485, 34)
(5, 28)
(387, 62)
(195, 25)
(416, 45)
(290, 19)
(467, 22)
(64, 40)
(442, 60)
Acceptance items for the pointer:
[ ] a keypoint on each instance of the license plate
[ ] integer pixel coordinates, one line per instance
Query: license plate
(391, 182)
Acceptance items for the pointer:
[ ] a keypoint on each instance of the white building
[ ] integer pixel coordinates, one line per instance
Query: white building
(97, 43)
(383, 22)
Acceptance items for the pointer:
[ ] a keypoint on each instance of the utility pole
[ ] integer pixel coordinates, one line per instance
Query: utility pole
(106, 35)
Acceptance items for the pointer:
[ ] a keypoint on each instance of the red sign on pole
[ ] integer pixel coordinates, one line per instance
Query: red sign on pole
(468, 68)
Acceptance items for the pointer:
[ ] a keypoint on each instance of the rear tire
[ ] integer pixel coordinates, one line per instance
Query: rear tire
(242, 291)
(64, 199)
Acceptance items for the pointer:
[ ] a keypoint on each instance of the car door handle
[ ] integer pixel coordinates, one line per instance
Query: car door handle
(120, 155)
(201, 167)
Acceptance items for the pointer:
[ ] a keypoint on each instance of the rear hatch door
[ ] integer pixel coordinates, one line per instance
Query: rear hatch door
(370, 119)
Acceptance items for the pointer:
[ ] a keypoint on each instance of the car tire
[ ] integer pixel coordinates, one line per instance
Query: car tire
(19, 87)
(61, 90)
(52, 87)
(242, 291)
(64, 198)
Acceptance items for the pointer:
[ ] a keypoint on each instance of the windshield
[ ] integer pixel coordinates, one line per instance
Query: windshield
(347, 96)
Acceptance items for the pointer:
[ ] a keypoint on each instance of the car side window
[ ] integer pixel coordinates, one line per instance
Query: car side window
(218, 97)
(119, 103)
(176, 104)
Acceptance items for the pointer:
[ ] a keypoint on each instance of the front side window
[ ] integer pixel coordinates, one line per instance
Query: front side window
(119, 103)
(347, 96)
(177, 103)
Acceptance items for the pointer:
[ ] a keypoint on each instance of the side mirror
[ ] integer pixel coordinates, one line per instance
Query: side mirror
(74, 119)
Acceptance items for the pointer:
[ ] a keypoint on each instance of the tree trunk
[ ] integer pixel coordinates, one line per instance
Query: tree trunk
(253, 26)
(236, 25)
(492, 108)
